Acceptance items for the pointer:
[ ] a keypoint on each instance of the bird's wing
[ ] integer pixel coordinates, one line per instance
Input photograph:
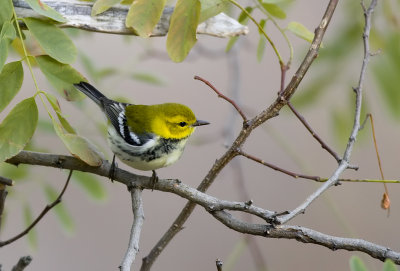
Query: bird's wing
(115, 112)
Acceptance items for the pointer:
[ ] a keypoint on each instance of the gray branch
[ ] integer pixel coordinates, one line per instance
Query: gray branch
(306, 235)
(214, 206)
(138, 218)
(78, 15)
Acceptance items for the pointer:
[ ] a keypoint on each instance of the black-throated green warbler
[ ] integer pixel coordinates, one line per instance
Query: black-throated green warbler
(145, 137)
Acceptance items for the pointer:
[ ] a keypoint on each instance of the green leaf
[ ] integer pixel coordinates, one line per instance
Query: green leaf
(3, 52)
(17, 128)
(62, 77)
(148, 78)
(45, 10)
(8, 31)
(356, 264)
(182, 31)
(301, 31)
(52, 40)
(28, 219)
(231, 42)
(102, 5)
(92, 186)
(61, 212)
(14, 172)
(79, 146)
(143, 15)
(261, 42)
(6, 12)
(386, 70)
(243, 18)
(274, 10)
(56, 106)
(273, 1)
(210, 8)
(10, 82)
(389, 265)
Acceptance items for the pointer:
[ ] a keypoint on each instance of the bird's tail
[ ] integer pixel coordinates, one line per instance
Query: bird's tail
(91, 92)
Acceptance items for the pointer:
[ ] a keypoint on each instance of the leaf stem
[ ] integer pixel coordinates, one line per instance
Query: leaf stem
(261, 30)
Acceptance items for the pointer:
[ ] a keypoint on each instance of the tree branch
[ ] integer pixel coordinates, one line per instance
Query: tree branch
(214, 206)
(265, 115)
(306, 235)
(78, 15)
(138, 218)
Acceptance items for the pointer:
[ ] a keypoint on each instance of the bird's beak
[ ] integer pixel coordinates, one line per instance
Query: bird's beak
(200, 123)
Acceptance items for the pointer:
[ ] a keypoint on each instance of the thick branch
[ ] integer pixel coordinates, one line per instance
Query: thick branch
(307, 235)
(78, 14)
(138, 218)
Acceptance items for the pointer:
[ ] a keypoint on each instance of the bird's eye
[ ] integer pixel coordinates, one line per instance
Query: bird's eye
(182, 124)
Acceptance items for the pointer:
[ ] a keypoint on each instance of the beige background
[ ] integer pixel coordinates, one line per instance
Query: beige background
(101, 229)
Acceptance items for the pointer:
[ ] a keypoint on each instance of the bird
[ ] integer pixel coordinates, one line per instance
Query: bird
(145, 137)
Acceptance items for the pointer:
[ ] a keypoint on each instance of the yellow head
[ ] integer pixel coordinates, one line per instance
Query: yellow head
(169, 120)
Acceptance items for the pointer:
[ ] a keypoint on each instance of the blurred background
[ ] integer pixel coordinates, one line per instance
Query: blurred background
(90, 230)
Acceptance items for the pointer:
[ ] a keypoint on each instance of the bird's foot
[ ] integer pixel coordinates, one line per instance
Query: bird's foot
(153, 180)
(113, 168)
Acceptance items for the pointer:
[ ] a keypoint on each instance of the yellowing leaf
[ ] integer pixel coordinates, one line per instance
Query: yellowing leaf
(79, 146)
(17, 128)
(102, 5)
(61, 76)
(182, 31)
(11, 78)
(45, 10)
(301, 31)
(143, 15)
(52, 40)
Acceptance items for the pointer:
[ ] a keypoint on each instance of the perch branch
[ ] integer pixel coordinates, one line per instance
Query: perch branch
(213, 205)
(78, 15)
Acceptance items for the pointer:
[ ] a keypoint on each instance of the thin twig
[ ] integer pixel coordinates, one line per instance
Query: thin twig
(220, 95)
(308, 127)
(294, 175)
(385, 203)
(261, 118)
(42, 214)
(344, 164)
(138, 218)
(22, 263)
